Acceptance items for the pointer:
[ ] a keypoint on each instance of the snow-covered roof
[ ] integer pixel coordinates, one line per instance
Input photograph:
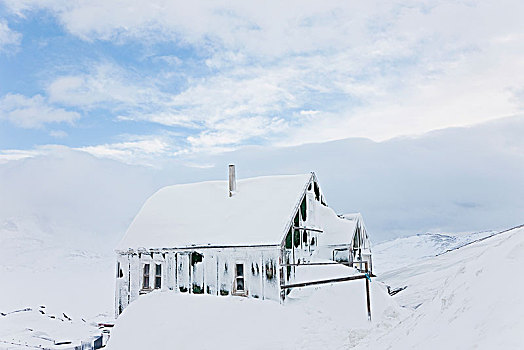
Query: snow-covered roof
(204, 214)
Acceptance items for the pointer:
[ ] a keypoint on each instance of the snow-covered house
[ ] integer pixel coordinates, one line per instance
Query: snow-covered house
(251, 239)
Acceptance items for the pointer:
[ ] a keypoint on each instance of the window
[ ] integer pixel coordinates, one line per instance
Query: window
(196, 258)
(304, 238)
(145, 279)
(289, 239)
(296, 238)
(317, 191)
(239, 278)
(356, 238)
(158, 276)
(119, 272)
(303, 209)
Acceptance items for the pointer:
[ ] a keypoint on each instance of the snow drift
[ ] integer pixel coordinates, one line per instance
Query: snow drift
(316, 317)
(468, 298)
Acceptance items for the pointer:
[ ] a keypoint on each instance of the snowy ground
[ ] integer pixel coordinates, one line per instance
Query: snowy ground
(467, 298)
(462, 299)
(396, 253)
(64, 285)
(316, 318)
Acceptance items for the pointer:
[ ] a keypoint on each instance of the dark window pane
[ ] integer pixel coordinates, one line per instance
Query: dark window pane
(296, 238)
(196, 258)
(303, 209)
(145, 282)
(240, 270)
(158, 270)
(240, 284)
(289, 240)
(158, 282)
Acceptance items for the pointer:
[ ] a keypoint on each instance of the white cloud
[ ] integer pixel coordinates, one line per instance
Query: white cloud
(146, 150)
(104, 85)
(276, 27)
(33, 112)
(224, 112)
(58, 134)
(14, 154)
(458, 179)
(374, 69)
(9, 39)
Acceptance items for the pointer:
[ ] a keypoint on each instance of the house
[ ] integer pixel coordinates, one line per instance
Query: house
(254, 238)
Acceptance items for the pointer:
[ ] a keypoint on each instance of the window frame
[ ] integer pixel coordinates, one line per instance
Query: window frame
(148, 276)
(158, 276)
(237, 277)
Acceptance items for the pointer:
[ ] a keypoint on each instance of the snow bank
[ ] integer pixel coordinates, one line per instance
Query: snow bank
(42, 327)
(59, 271)
(469, 298)
(399, 252)
(203, 213)
(313, 318)
(40, 268)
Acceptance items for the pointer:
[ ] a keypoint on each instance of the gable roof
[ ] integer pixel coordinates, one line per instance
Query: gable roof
(204, 214)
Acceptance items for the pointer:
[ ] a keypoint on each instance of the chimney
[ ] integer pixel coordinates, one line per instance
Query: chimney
(232, 180)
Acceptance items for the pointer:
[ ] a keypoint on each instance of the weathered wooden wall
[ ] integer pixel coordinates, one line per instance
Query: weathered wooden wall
(214, 274)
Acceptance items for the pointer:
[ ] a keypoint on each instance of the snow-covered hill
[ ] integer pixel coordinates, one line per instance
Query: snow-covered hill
(54, 288)
(468, 298)
(399, 252)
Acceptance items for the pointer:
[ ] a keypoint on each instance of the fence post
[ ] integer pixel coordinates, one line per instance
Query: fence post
(367, 292)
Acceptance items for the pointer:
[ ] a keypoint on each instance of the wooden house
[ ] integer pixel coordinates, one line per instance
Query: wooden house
(254, 238)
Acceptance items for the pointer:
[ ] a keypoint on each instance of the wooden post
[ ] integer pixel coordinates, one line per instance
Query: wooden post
(218, 280)
(368, 299)
(367, 292)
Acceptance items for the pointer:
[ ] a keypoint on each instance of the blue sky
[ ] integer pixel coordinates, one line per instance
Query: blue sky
(140, 80)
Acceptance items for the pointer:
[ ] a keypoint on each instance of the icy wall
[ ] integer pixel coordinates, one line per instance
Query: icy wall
(248, 271)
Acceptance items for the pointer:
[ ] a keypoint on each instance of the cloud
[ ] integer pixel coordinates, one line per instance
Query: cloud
(221, 112)
(33, 112)
(10, 155)
(452, 180)
(58, 134)
(373, 69)
(104, 85)
(144, 150)
(9, 39)
(275, 28)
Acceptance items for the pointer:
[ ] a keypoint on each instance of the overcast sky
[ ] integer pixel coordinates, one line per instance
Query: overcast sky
(454, 180)
(154, 79)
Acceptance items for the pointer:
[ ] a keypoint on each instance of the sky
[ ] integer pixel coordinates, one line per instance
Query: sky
(140, 81)
(410, 112)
